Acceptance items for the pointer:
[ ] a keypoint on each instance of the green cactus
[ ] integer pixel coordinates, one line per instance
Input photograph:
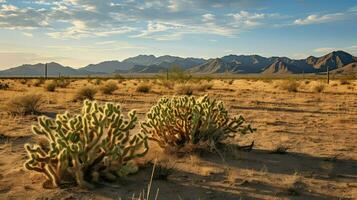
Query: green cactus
(94, 144)
(179, 121)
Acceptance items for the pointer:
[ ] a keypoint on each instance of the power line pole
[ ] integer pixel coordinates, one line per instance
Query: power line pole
(46, 71)
(328, 75)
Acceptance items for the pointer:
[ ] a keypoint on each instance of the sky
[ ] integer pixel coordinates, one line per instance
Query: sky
(79, 32)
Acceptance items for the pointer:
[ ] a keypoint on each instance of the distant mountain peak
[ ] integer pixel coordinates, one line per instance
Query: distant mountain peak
(230, 63)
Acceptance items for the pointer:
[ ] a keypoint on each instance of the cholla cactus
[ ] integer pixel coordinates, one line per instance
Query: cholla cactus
(179, 121)
(94, 144)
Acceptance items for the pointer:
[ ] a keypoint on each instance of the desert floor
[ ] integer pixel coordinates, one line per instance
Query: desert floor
(318, 129)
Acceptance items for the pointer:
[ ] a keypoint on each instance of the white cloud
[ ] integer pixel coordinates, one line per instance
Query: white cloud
(318, 19)
(324, 50)
(208, 17)
(27, 34)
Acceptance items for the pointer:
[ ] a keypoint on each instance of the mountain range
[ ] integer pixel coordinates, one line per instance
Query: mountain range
(337, 62)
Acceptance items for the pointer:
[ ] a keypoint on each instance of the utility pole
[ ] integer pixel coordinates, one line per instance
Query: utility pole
(46, 71)
(328, 75)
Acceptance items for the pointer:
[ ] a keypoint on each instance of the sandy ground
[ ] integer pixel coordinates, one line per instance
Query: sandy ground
(319, 131)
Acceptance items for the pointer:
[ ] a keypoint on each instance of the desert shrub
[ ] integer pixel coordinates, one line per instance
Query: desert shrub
(63, 82)
(4, 86)
(203, 87)
(143, 87)
(97, 82)
(188, 121)
(167, 83)
(344, 82)
(184, 89)
(86, 92)
(87, 147)
(23, 81)
(51, 86)
(24, 104)
(109, 87)
(230, 82)
(38, 82)
(290, 86)
(320, 87)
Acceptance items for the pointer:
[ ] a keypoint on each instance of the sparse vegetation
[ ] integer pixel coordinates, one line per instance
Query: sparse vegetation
(344, 82)
(181, 121)
(280, 149)
(109, 87)
(51, 86)
(87, 147)
(24, 104)
(143, 88)
(62, 82)
(84, 93)
(4, 86)
(184, 89)
(320, 87)
(38, 82)
(202, 87)
(290, 86)
(97, 82)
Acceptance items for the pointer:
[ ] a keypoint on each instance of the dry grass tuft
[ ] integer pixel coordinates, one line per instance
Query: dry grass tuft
(344, 82)
(202, 87)
(24, 104)
(109, 87)
(167, 84)
(50, 86)
(184, 89)
(290, 86)
(62, 82)
(143, 88)
(86, 92)
(320, 87)
(38, 82)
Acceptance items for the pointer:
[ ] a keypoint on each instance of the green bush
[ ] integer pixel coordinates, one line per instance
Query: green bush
(181, 121)
(109, 87)
(84, 93)
(95, 145)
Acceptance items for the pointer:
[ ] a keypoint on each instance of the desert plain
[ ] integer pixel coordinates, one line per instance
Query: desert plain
(305, 145)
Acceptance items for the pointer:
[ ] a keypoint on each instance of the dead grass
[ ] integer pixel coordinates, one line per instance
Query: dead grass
(24, 104)
(50, 86)
(38, 82)
(184, 89)
(344, 82)
(320, 87)
(109, 87)
(290, 86)
(143, 88)
(84, 93)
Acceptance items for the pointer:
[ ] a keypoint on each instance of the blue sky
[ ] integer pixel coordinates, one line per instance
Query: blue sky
(79, 32)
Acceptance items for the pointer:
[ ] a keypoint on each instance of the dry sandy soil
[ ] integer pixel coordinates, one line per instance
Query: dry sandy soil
(319, 131)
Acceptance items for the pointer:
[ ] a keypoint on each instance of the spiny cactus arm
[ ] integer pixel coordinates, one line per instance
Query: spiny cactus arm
(40, 162)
